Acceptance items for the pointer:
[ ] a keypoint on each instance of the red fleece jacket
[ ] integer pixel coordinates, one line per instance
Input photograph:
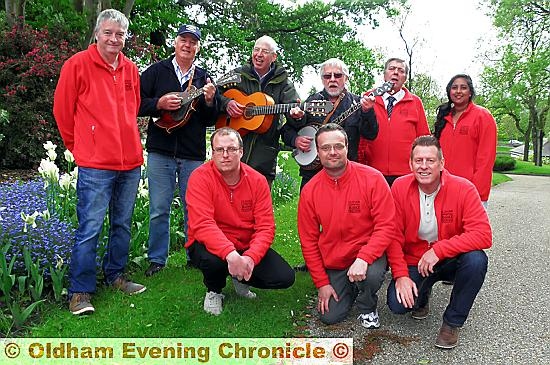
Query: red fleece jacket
(462, 222)
(470, 148)
(342, 219)
(389, 152)
(96, 108)
(226, 218)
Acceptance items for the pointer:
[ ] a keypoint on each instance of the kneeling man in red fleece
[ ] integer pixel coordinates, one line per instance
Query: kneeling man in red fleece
(231, 225)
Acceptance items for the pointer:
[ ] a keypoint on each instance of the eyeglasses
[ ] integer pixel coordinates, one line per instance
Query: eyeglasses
(335, 75)
(262, 51)
(230, 150)
(338, 147)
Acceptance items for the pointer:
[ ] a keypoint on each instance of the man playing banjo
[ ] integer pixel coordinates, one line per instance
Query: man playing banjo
(352, 112)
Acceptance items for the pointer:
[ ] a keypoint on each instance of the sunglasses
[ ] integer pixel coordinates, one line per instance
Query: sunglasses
(336, 76)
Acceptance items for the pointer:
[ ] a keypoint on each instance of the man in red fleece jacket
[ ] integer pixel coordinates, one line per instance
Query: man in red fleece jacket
(231, 224)
(442, 230)
(345, 223)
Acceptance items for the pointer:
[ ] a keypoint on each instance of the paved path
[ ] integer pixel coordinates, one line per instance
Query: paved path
(510, 320)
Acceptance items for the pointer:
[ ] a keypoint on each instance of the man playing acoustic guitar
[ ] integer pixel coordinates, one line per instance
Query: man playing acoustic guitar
(353, 113)
(174, 152)
(263, 74)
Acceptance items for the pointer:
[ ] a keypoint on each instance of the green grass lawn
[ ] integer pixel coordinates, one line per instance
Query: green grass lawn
(528, 168)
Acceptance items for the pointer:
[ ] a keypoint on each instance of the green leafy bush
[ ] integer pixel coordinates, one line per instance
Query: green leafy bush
(504, 163)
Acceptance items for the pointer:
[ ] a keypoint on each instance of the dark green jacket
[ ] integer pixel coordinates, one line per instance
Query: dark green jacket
(260, 150)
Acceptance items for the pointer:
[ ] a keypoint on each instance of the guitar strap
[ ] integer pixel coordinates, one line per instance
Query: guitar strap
(194, 102)
(327, 118)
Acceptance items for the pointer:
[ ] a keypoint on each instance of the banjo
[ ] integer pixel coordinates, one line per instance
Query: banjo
(310, 160)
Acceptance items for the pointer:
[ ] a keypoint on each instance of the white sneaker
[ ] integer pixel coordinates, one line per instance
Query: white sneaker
(369, 320)
(243, 290)
(213, 303)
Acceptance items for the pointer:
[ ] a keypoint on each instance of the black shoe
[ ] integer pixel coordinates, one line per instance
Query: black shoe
(301, 267)
(153, 269)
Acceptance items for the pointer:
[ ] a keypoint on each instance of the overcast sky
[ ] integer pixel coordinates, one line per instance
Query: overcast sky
(451, 32)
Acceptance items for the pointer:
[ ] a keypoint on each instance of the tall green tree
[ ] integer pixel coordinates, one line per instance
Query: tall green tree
(518, 81)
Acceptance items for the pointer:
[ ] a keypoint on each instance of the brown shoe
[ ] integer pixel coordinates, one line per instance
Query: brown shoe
(447, 337)
(128, 287)
(80, 304)
(421, 313)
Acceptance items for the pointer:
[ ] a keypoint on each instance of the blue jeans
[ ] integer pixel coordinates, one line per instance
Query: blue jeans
(99, 190)
(162, 172)
(468, 273)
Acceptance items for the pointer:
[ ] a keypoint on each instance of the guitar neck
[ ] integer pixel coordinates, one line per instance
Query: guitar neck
(269, 109)
(346, 114)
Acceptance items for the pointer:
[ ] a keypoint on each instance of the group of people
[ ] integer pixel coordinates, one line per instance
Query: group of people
(380, 192)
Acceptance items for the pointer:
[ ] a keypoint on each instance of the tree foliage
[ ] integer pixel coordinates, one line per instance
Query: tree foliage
(518, 81)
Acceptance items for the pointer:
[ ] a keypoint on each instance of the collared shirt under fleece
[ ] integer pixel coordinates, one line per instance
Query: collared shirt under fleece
(342, 219)
(226, 218)
(187, 141)
(470, 147)
(462, 222)
(95, 107)
(389, 152)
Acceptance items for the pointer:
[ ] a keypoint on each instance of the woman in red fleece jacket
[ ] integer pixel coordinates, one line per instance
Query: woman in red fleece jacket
(468, 135)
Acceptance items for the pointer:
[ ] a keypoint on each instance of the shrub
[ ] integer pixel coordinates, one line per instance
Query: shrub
(30, 62)
(504, 163)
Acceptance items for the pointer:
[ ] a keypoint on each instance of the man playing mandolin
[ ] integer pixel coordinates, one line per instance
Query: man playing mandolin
(174, 151)
(263, 74)
(353, 113)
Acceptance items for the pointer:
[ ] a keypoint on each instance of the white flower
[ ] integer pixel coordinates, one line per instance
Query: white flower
(65, 181)
(285, 155)
(48, 170)
(51, 155)
(49, 146)
(143, 189)
(1, 209)
(68, 156)
(58, 262)
(29, 219)
(45, 214)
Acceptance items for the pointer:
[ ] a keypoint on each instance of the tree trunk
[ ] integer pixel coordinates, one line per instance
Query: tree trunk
(15, 12)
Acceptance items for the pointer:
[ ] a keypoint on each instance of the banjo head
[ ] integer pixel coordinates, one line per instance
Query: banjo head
(306, 158)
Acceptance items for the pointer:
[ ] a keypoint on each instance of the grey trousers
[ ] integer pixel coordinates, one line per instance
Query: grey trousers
(362, 292)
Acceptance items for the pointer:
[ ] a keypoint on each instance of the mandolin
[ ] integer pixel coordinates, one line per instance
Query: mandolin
(172, 119)
(259, 111)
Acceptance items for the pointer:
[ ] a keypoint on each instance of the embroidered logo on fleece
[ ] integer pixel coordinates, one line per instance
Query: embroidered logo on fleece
(354, 206)
(128, 85)
(447, 216)
(246, 205)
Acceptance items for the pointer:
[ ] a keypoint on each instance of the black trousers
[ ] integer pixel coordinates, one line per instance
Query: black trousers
(273, 272)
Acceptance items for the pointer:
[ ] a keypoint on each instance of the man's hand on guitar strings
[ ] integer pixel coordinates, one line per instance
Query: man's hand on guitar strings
(367, 101)
(209, 92)
(303, 143)
(234, 109)
(169, 101)
(297, 113)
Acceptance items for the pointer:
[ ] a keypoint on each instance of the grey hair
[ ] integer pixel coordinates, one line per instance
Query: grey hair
(270, 42)
(334, 62)
(113, 15)
(397, 60)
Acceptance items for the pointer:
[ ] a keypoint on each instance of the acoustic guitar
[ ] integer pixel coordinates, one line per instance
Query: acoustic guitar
(259, 111)
(309, 160)
(172, 119)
